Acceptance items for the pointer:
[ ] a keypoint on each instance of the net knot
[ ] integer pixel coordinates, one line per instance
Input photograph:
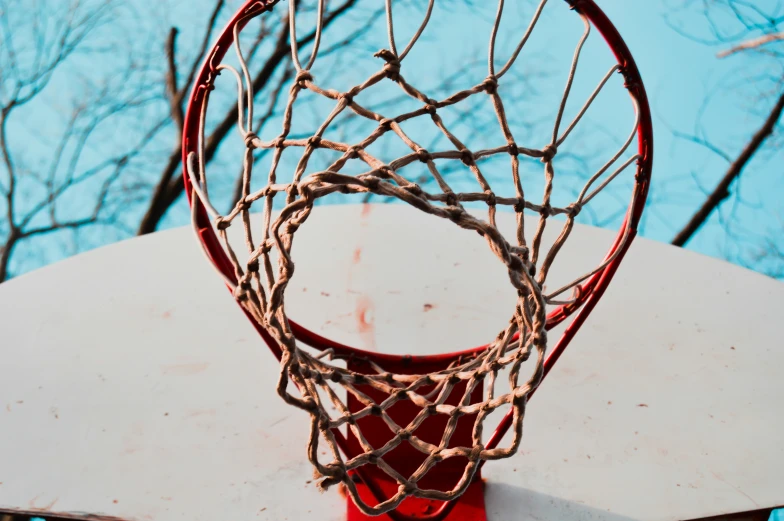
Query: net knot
(548, 153)
(243, 205)
(385, 171)
(490, 85)
(451, 199)
(519, 205)
(240, 293)
(392, 65)
(372, 183)
(512, 149)
(546, 210)
(491, 200)
(414, 189)
(278, 142)
(424, 155)
(221, 223)
(407, 489)
(336, 475)
(292, 191)
(574, 209)
(520, 251)
(314, 141)
(466, 157)
(430, 109)
(250, 137)
(455, 213)
(385, 124)
(348, 96)
(253, 266)
(476, 452)
(352, 152)
(302, 77)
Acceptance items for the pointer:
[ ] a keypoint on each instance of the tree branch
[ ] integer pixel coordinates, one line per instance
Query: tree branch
(168, 189)
(754, 43)
(721, 192)
(171, 79)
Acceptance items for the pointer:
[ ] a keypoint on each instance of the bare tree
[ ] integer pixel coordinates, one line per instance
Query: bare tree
(753, 34)
(112, 162)
(86, 180)
(272, 75)
(37, 192)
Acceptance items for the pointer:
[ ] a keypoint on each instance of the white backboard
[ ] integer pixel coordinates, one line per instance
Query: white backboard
(133, 386)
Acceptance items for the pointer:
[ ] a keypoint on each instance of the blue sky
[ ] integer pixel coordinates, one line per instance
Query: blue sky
(679, 74)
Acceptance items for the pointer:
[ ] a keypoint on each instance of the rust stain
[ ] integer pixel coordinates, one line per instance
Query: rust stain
(365, 325)
(166, 314)
(184, 369)
(737, 489)
(357, 255)
(115, 501)
(642, 405)
(46, 508)
(366, 208)
(324, 294)
(427, 307)
(201, 412)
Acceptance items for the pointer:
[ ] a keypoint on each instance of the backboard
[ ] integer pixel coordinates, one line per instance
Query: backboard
(134, 388)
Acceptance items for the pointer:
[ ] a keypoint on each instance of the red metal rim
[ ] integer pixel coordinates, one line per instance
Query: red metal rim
(591, 291)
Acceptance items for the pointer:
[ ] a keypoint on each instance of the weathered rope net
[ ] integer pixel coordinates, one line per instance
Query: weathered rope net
(321, 383)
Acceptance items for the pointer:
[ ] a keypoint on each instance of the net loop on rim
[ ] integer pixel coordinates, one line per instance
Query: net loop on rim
(346, 392)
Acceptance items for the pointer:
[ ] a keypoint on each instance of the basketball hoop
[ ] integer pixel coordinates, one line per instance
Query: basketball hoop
(404, 434)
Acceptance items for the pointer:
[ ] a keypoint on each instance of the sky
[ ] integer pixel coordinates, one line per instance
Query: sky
(679, 74)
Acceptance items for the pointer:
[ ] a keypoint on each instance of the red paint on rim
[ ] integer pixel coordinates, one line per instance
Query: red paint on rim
(590, 291)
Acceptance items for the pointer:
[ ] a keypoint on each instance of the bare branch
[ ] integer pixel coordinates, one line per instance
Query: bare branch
(168, 189)
(754, 43)
(171, 79)
(721, 192)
